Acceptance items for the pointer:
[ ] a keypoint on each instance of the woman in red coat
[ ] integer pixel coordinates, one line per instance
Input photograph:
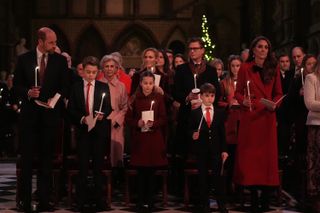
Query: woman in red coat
(256, 164)
(148, 148)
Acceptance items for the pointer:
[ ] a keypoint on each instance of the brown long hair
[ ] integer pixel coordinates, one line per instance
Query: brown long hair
(269, 64)
(304, 62)
(230, 76)
(317, 68)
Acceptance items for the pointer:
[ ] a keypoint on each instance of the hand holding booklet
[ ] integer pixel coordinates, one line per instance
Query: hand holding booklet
(270, 104)
(91, 121)
(50, 104)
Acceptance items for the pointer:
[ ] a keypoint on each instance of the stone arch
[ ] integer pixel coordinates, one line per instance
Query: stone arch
(62, 39)
(90, 42)
(177, 47)
(176, 40)
(133, 39)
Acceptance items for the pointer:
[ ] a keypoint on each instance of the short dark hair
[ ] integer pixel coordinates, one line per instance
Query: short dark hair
(196, 39)
(146, 73)
(207, 88)
(283, 55)
(90, 60)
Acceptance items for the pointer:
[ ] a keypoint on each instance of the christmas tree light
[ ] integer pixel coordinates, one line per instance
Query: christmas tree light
(206, 38)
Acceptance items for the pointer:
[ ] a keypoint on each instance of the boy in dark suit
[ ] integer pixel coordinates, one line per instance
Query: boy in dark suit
(86, 99)
(208, 134)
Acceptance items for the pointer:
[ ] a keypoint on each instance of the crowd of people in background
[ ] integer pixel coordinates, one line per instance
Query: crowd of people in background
(252, 117)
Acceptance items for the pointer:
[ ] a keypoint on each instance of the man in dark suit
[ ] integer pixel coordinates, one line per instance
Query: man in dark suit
(298, 54)
(39, 125)
(209, 143)
(284, 123)
(195, 71)
(86, 98)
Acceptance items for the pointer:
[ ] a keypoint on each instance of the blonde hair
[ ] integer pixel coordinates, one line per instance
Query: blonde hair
(152, 49)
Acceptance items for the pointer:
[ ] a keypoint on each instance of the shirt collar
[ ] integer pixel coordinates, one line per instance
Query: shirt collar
(39, 53)
(86, 82)
(203, 107)
(196, 63)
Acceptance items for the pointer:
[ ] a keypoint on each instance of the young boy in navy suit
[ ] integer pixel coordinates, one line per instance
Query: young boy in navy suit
(86, 99)
(209, 142)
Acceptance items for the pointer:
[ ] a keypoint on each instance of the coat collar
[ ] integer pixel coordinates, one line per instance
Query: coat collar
(254, 77)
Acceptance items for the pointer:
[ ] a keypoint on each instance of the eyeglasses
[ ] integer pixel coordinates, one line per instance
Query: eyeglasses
(91, 72)
(194, 48)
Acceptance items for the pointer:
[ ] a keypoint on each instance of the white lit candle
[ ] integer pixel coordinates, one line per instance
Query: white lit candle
(152, 102)
(235, 85)
(200, 122)
(195, 80)
(103, 94)
(302, 79)
(36, 76)
(152, 69)
(249, 94)
(248, 89)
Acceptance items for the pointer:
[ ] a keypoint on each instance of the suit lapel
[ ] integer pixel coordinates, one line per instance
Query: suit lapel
(214, 119)
(49, 66)
(32, 62)
(199, 117)
(34, 58)
(97, 96)
(254, 78)
(81, 96)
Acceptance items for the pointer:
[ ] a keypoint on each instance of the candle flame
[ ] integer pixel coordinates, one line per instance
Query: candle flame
(152, 102)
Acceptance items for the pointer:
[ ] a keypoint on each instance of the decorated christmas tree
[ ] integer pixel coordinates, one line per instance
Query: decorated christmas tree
(206, 38)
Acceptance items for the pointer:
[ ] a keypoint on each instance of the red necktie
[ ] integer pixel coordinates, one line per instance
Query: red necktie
(42, 68)
(87, 101)
(208, 117)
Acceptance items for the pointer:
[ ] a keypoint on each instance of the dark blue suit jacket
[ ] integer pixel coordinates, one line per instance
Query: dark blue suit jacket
(55, 81)
(76, 105)
(213, 138)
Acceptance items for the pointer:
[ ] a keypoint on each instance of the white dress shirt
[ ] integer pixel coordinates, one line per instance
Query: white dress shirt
(91, 94)
(204, 111)
(39, 57)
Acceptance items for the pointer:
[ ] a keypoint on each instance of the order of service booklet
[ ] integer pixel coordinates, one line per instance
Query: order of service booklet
(271, 104)
(50, 103)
